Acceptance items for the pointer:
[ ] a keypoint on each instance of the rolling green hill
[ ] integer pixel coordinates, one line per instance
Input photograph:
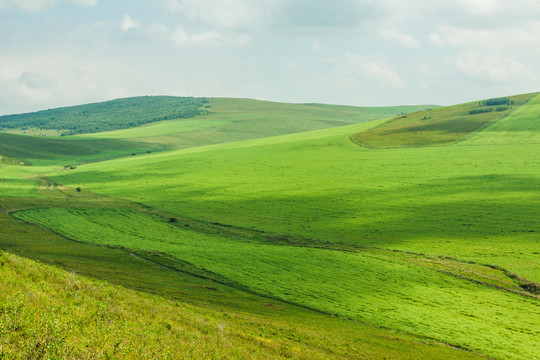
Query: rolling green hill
(50, 314)
(231, 120)
(438, 242)
(38, 150)
(223, 120)
(104, 116)
(440, 126)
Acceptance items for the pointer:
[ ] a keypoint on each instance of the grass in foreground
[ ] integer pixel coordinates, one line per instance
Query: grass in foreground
(367, 286)
(50, 313)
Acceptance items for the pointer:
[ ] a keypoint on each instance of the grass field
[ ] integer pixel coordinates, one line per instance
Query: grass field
(48, 313)
(230, 120)
(224, 120)
(365, 286)
(439, 241)
(437, 126)
(474, 203)
(521, 126)
(62, 151)
(104, 116)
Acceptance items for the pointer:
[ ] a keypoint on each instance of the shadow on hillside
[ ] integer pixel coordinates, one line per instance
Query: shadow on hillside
(456, 208)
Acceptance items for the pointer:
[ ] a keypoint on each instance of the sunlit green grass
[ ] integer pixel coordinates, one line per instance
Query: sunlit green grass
(364, 286)
(231, 120)
(18, 187)
(227, 120)
(48, 313)
(166, 127)
(437, 126)
(521, 126)
(471, 202)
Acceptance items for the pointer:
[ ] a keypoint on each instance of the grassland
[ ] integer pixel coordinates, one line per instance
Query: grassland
(437, 126)
(223, 120)
(27, 150)
(521, 126)
(104, 116)
(340, 283)
(473, 203)
(49, 313)
(230, 120)
(438, 242)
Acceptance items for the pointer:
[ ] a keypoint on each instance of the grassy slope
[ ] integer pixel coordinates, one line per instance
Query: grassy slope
(522, 126)
(56, 314)
(319, 185)
(49, 313)
(104, 116)
(37, 150)
(444, 201)
(433, 304)
(241, 119)
(229, 120)
(437, 126)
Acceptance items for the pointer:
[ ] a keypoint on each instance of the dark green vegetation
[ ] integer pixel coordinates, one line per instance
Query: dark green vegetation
(437, 242)
(106, 116)
(438, 126)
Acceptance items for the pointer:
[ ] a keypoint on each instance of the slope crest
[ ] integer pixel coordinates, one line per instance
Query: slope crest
(439, 126)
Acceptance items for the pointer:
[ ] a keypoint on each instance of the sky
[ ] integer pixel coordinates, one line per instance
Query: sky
(355, 52)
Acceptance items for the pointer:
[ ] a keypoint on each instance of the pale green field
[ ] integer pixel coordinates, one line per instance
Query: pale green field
(167, 127)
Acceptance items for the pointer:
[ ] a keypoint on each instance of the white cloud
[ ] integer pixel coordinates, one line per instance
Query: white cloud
(38, 5)
(401, 37)
(435, 39)
(357, 70)
(128, 23)
(224, 13)
(35, 80)
(206, 39)
(292, 65)
(30, 5)
(500, 69)
(315, 45)
(88, 3)
(481, 7)
(515, 37)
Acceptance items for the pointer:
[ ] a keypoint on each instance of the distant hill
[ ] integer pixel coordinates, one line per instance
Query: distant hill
(37, 150)
(106, 116)
(439, 126)
(113, 128)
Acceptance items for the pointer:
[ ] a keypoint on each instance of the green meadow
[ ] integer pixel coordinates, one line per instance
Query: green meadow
(421, 227)
(477, 203)
(365, 286)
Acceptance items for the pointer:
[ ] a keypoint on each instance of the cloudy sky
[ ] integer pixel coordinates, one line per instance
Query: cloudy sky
(358, 52)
